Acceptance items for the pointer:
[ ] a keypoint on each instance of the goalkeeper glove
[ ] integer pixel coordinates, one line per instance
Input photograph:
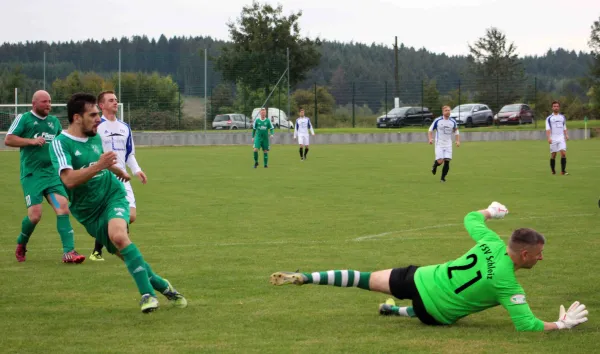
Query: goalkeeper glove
(497, 210)
(575, 315)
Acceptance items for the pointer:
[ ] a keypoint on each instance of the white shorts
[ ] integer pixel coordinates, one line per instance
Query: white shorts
(443, 153)
(303, 140)
(130, 197)
(557, 146)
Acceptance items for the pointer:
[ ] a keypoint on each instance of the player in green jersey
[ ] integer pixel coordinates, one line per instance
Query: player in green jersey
(262, 130)
(441, 294)
(32, 133)
(98, 198)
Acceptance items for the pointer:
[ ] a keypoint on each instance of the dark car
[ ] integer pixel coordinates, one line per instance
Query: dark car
(403, 116)
(516, 113)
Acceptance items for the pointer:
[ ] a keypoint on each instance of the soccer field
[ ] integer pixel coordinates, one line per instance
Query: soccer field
(217, 228)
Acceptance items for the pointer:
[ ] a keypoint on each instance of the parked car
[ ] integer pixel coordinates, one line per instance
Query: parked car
(470, 114)
(277, 117)
(517, 113)
(403, 116)
(231, 121)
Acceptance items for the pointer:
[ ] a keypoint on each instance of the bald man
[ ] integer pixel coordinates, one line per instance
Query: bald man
(32, 133)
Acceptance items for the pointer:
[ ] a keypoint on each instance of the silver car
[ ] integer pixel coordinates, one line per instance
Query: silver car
(471, 114)
(231, 121)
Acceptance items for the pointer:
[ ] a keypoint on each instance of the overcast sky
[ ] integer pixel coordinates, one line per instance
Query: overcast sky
(438, 25)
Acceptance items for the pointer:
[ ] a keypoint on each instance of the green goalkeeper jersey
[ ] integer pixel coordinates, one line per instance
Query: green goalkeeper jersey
(482, 278)
(261, 128)
(89, 199)
(35, 160)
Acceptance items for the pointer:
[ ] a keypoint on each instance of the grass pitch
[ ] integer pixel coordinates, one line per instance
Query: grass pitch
(217, 228)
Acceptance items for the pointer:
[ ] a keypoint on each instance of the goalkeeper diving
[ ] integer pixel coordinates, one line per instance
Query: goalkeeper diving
(442, 294)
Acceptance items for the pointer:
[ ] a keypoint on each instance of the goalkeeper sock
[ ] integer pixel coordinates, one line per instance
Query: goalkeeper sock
(137, 268)
(27, 228)
(563, 163)
(445, 169)
(404, 311)
(305, 151)
(266, 159)
(65, 230)
(342, 278)
(301, 156)
(552, 164)
(256, 156)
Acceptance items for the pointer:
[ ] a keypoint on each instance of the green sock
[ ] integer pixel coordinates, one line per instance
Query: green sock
(256, 156)
(158, 283)
(343, 278)
(27, 228)
(136, 266)
(65, 230)
(266, 159)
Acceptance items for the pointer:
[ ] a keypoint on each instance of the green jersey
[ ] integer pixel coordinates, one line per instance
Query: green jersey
(261, 128)
(87, 200)
(35, 160)
(482, 278)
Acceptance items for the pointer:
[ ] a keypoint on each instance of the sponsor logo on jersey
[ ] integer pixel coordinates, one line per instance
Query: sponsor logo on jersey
(47, 136)
(518, 299)
(50, 125)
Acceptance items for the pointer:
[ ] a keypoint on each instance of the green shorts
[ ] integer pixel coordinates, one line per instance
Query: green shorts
(261, 143)
(36, 187)
(117, 207)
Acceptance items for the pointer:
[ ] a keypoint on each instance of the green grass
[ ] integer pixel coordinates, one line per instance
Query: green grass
(216, 228)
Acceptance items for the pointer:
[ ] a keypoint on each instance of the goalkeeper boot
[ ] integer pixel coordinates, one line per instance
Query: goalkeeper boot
(282, 278)
(174, 296)
(96, 256)
(148, 303)
(73, 257)
(386, 309)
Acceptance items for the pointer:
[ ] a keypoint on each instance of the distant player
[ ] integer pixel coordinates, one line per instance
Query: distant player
(116, 136)
(444, 127)
(33, 133)
(556, 132)
(98, 199)
(301, 132)
(441, 294)
(262, 130)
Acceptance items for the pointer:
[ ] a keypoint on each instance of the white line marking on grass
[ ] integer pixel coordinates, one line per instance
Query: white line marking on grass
(378, 236)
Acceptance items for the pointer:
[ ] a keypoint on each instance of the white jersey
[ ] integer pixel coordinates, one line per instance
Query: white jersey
(556, 124)
(116, 136)
(444, 129)
(303, 126)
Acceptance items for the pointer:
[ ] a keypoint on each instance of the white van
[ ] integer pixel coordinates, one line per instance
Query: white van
(277, 116)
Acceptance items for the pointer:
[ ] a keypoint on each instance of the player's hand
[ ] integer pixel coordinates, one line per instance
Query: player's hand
(549, 141)
(107, 159)
(142, 176)
(122, 175)
(497, 210)
(458, 144)
(39, 141)
(430, 141)
(294, 138)
(313, 134)
(566, 137)
(575, 315)
(271, 136)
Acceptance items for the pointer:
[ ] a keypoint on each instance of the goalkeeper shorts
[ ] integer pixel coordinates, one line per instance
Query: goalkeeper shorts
(402, 286)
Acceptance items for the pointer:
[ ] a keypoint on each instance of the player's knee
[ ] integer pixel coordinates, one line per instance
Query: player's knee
(117, 233)
(34, 214)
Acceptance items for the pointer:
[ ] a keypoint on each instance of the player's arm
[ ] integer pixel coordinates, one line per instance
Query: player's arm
(548, 130)
(13, 136)
(565, 129)
(254, 128)
(457, 134)
(311, 127)
(271, 128)
(475, 221)
(430, 131)
(130, 159)
(61, 159)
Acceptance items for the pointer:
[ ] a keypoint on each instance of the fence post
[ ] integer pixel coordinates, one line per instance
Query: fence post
(498, 97)
(422, 94)
(353, 104)
(535, 99)
(279, 105)
(385, 100)
(459, 117)
(179, 110)
(316, 111)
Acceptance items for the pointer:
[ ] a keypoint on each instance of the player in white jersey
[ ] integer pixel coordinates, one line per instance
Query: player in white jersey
(556, 132)
(301, 132)
(116, 136)
(444, 127)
